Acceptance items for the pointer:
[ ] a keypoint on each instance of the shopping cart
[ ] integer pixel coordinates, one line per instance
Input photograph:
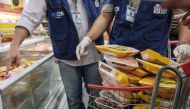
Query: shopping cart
(142, 97)
(135, 97)
(182, 72)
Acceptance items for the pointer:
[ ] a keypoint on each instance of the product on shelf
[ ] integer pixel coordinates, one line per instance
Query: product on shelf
(155, 68)
(154, 57)
(3, 74)
(122, 63)
(117, 50)
(7, 38)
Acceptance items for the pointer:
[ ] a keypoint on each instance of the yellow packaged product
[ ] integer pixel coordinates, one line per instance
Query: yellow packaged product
(112, 73)
(127, 63)
(166, 85)
(139, 72)
(152, 56)
(117, 50)
(155, 68)
(159, 101)
(164, 95)
(146, 106)
(133, 79)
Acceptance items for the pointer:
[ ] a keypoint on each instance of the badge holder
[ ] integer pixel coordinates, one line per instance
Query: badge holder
(130, 14)
(76, 17)
(131, 10)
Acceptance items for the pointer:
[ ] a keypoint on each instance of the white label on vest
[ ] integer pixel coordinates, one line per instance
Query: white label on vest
(76, 17)
(116, 9)
(97, 3)
(159, 10)
(130, 14)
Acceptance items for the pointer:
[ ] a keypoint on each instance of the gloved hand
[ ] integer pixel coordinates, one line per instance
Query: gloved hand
(182, 52)
(82, 47)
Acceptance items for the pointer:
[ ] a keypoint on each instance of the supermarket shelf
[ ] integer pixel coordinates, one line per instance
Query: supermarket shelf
(6, 83)
(5, 47)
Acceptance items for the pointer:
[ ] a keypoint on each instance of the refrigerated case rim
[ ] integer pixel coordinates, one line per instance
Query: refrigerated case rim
(7, 83)
(33, 40)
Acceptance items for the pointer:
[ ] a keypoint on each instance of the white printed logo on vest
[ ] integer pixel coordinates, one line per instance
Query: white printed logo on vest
(159, 10)
(117, 9)
(59, 14)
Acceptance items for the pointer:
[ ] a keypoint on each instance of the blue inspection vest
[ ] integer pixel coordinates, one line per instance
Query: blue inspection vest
(149, 30)
(63, 32)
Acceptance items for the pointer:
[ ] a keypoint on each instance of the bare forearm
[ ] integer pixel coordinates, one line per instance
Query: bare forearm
(20, 34)
(184, 35)
(100, 25)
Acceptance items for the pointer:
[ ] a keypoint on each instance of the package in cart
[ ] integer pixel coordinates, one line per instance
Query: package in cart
(154, 57)
(128, 63)
(154, 68)
(113, 75)
(117, 50)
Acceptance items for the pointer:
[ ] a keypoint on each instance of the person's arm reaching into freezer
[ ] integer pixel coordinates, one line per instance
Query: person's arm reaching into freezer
(99, 27)
(31, 17)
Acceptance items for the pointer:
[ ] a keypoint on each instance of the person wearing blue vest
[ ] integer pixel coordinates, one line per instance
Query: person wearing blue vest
(141, 24)
(69, 21)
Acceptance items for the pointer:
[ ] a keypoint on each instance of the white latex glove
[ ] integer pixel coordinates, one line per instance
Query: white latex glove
(106, 42)
(182, 52)
(82, 47)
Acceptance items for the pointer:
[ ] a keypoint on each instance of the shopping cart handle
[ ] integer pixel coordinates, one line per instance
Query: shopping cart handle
(186, 68)
(139, 88)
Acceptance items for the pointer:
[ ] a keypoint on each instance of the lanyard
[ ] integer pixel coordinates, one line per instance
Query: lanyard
(75, 3)
(134, 3)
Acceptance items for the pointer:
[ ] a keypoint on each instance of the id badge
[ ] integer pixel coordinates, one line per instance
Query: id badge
(130, 14)
(76, 17)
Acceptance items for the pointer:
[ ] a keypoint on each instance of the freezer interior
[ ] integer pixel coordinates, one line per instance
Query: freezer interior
(36, 88)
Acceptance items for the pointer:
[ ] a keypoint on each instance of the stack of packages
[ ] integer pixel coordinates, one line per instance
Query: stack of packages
(123, 70)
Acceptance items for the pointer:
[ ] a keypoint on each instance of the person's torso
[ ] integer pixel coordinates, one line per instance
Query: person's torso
(149, 29)
(69, 25)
